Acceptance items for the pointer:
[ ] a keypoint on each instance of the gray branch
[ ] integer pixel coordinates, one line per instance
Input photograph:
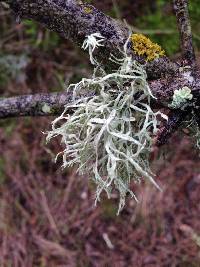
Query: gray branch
(184, 27)
(45, 104)
(34, 105)
(51, 104)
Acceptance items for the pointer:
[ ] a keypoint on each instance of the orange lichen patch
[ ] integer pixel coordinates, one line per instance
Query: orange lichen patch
(87, 10)
(143, 46)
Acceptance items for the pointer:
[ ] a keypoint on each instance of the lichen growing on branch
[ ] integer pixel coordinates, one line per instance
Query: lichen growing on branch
(181, 98)
(143, 46)
(109, 136)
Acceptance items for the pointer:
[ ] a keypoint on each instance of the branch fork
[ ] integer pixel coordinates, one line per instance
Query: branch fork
(75, 20)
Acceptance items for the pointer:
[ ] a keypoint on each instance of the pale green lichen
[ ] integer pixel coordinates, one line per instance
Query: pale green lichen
(181, 98)
(109, 136)
(46, 108)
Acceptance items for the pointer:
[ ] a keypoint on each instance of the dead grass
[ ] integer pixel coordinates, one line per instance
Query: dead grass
(48, 218)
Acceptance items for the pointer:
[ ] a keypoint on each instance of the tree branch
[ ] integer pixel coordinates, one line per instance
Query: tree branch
(50, 104)
(34, 105)
(184, 27)
(177, 116)
(74, 20)
(174, 121)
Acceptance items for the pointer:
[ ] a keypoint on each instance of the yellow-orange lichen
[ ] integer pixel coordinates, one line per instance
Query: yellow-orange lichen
(87, 10)
(143, 46)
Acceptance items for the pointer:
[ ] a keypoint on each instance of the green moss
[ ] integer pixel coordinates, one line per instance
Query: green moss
(8, 125)
(109, 209)
(46, 41)
(194, 11)
(87, 1)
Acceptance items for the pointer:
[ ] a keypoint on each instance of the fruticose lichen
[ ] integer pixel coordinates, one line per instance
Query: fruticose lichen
(181, 98)
(93, 41)
(143, 46)
(109, 135)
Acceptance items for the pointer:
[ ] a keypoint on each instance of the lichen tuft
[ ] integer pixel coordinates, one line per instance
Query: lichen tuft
(143, 46)
(109, 136)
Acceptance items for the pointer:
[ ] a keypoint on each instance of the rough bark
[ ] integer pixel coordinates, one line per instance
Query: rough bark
(184, 27)
(177, 116)
(34, 105)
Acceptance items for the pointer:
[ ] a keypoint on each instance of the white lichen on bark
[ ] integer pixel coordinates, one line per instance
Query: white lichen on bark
(181, 98)
(109, 136)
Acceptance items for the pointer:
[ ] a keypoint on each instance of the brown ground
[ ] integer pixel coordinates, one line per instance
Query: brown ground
(47, 216)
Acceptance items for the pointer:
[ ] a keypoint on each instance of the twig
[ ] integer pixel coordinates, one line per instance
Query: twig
(50, 104)
(174, 121)
(184, 27)
(45, 206)
(34, 105)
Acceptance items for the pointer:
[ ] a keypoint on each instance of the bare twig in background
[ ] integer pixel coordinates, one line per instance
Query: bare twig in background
(44, 204)
(184, 27)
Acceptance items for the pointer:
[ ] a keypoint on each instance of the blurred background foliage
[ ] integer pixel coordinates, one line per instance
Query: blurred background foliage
(47, 215)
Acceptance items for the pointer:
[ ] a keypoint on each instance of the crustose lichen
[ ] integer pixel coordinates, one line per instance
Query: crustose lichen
(143, 46)
(109, 135)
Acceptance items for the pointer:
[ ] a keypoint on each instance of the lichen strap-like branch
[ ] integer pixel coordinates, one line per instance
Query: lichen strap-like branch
(74, 20)
(184, 27)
